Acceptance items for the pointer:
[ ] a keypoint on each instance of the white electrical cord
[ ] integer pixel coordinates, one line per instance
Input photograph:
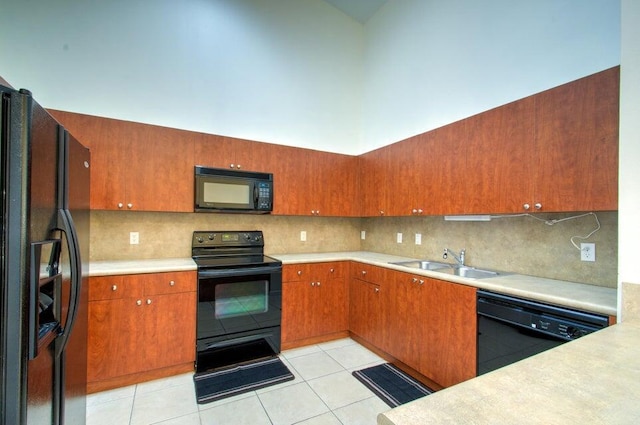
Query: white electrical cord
(556, 221)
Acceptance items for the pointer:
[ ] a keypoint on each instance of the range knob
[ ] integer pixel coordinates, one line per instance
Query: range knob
(212, 236)
(200, 239)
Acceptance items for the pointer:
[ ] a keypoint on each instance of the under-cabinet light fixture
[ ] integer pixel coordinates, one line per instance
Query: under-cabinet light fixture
(467, 218)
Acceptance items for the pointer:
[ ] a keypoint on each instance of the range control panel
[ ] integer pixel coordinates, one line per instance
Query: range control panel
(212, 239)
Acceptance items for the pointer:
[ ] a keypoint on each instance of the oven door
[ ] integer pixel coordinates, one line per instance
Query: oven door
(239, 315)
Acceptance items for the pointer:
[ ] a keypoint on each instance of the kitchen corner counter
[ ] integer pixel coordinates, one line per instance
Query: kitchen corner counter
(592, 380)
(595, 299)
(159, 265)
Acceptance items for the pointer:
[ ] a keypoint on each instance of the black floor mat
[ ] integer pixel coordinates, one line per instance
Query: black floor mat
(211, 386)
(391, 384)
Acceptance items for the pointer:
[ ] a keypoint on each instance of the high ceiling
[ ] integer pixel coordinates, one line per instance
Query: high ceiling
(360, 10)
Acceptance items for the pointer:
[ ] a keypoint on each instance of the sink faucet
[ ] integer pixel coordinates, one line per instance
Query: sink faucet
(459, 259)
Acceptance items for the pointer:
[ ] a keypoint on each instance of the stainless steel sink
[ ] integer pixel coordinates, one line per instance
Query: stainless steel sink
(470, 272)
(423, 265)
(448, 268)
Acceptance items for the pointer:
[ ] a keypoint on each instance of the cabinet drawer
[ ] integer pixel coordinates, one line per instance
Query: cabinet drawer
(335, 270)
(368, 272)
(109, 288)
(295, 272)
(167, 283)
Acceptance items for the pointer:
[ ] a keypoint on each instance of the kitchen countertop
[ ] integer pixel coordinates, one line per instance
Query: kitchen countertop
(581, 296)
(592, 380)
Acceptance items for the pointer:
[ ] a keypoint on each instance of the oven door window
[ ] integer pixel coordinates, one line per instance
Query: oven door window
(241, 299)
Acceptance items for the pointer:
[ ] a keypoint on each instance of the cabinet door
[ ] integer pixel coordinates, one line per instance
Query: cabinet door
(373, 183)
(109, 147)
(448, 355)
(577, 141)
(500, 160)
(297, 310)
(409, 320)
(110, 341)
(296, 302)
(158, 168)
(363, 319)
(333, 298)
(169, 330)
(292, 182)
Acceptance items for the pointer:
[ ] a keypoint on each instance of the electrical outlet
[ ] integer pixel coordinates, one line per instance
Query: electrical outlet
(134, 238)
(363, 234)
(588, 252)
(418, 239)
(399, 237)
(303, 235)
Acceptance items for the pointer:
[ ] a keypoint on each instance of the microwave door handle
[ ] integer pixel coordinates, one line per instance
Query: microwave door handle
(256, 193)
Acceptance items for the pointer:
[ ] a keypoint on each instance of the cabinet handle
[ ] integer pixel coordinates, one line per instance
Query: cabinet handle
(129, 205)
(381, 212)
(114, 288)
(172, 283)
(120, 205)
(238, 166)
(139, 302)
(331, 270)
(377, 290)
(364, 272)
(317, 283)
(421, 281)
(414, 280)
(148, 302)
(299, 272)
(232, 165)
(313, 284)
(526, 207)
(538, 206)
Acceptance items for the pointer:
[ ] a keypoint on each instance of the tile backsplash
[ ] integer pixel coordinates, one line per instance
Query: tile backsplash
(517, 244)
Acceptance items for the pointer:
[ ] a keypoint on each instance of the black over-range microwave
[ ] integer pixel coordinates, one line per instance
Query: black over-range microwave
(223, 190)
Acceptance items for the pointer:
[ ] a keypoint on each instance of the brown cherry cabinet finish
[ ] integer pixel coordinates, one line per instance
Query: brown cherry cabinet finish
(427, 324)
(369, 304)
(577, 144)
(134, 166)
(314, 300)
(553, 151)
(139, 323)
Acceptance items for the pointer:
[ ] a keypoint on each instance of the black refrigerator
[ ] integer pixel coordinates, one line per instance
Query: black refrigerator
(45, 252)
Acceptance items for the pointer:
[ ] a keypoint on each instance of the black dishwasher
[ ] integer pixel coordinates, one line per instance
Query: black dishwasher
(511, 329)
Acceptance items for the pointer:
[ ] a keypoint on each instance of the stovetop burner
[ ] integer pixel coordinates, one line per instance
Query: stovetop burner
(229, 249)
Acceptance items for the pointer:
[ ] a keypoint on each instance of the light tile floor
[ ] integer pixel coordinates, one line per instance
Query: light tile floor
(323, 393)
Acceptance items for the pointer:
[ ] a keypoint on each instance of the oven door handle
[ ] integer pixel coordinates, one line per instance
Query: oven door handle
(245, 271)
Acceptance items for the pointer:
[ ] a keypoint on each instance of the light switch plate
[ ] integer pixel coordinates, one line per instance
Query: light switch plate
(134, 238)
(399, 237)
(418, 239)
(303, 235)
(363, 234)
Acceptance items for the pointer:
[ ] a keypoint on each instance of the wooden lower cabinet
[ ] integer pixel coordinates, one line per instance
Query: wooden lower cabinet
(428, 324)
(369, 303)
(139, 324)
(314, 300)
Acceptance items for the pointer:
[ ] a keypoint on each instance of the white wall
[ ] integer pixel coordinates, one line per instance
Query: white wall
(629, 202)
(433, 62)
(299, 72)
(282, 71)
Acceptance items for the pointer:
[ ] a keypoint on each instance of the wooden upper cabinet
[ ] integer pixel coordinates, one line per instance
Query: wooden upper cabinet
(314, 183)
(372, 182)
(577, 144)
(238, 154)
(499, 169)
(135, 166)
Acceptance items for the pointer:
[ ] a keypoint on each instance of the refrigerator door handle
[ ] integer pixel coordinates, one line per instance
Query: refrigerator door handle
(65, 224)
